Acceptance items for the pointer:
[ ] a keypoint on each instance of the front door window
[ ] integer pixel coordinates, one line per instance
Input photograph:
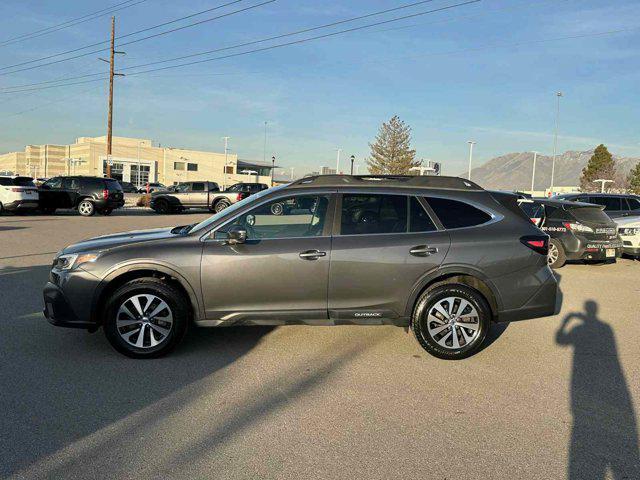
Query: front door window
(291, 217)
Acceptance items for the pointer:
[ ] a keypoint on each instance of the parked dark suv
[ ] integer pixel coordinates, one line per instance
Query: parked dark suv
(437, 254)
(578, 231)
(86, 194)
(615, 205)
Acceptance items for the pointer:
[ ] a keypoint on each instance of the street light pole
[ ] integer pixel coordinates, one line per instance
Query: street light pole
(352, 160)
(273, 167)
(555, 143)
(602, 182)
(533, 173)
(338, 162)
(471, 144)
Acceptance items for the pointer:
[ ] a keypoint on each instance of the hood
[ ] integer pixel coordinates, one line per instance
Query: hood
(118, 239)
(628, 221)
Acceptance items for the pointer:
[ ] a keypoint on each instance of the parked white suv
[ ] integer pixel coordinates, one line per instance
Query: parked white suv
(629, 231)
(17, 193)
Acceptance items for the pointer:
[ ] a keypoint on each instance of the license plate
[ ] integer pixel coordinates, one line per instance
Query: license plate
(610, 253)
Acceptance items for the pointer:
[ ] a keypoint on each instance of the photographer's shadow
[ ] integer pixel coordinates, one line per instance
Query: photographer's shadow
(604, 435)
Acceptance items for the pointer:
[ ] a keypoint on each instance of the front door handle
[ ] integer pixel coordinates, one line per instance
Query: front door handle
(423, 251)
(312, 254)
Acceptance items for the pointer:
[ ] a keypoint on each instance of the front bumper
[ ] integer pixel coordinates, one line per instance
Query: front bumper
(21, 205)
(68, 299)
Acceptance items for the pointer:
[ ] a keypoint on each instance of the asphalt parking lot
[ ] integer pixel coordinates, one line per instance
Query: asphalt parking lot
(539, 401)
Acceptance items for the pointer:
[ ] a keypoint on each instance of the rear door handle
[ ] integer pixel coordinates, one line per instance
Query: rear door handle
(312, 254)
(423, 251)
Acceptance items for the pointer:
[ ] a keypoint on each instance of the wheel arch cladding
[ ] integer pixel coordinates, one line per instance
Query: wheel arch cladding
(117, 279)
(466, 279)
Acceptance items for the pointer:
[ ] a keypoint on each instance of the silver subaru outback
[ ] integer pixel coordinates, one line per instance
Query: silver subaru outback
(439, 255)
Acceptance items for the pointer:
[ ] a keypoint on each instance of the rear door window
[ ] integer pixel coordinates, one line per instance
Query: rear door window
(366, 214)
(197, 187)
(634, 204)
(23, 182)
(455, 214)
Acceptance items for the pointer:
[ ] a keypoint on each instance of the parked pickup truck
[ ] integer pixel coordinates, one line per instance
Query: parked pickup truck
(194, 195)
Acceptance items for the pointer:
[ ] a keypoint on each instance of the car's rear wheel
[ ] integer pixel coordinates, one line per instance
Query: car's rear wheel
(1, 209)
(556, 257)
(451, 321)
(220, 205)
(86, 208)
(146, 318)
(162, 207)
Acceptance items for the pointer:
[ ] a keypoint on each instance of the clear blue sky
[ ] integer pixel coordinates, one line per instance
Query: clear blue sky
(471, 72)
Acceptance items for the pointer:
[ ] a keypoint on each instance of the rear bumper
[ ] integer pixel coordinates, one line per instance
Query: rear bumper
(21, 205)
(543, 303)
(580, 248)
(631, 251)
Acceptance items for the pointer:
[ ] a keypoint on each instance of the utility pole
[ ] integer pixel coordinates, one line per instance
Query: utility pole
(338, 162)
(555, 143)
(111, 75)
(533, 173)
(353, 157)
(292, 173)
(471, 144)
(226, 153)
(264, 150)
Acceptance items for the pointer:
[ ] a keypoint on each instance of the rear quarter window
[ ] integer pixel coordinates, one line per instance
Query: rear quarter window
(456, 214)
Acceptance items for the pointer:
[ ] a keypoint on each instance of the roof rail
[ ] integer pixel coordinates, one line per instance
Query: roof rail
(420, 181)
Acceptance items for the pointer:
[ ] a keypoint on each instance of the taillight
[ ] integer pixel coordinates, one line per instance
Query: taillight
(105, 194)
(239, 197)
(17, 190)
(577, 227)
(537, 243)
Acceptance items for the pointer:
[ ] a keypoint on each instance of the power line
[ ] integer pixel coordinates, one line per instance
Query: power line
(129, 35)
(298, 32)
(70, 23)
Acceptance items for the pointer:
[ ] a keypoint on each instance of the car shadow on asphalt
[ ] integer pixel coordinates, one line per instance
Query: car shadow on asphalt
(604, 436)
(62, 385)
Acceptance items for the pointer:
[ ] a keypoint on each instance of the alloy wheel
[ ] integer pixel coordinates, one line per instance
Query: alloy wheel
(144, 321)
(552, 256)
(85, 208)
(453, 323)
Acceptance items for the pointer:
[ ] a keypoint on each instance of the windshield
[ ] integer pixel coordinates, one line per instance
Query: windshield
(236, 206)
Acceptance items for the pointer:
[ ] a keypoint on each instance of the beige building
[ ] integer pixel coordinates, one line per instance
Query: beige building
(134, 160)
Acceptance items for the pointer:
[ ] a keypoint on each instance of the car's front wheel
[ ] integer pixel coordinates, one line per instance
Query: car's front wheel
(451, 321)
(146, 318)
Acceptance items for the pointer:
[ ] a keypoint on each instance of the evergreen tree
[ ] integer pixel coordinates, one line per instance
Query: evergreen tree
(600, 165)
(634, 179)
(391, 154)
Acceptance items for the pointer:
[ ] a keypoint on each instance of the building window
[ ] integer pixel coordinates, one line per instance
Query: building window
(228, 169)
(178, 165)
(192, 167)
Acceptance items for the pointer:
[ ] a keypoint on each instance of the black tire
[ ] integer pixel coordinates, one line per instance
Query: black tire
(1, 209)
(161, 207)
(86, 208)
(220, 205)
(561, 258)
(426, 304)
(106, 211)
(179, 308)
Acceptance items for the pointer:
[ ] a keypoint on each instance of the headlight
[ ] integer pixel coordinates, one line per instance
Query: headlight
(67, 262)
(629, 231)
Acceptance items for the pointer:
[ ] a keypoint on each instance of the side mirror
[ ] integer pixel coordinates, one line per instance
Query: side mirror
(236, 235)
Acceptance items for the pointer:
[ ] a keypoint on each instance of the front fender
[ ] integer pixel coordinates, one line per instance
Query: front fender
(148, 265)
